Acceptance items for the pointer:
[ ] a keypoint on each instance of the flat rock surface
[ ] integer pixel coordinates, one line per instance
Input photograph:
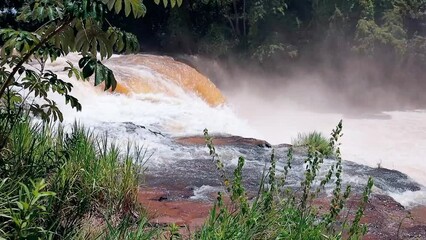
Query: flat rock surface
(189, 214)
(223, 140)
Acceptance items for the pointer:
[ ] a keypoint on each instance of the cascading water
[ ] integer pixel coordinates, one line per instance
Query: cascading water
(159, 99)
(156, 92)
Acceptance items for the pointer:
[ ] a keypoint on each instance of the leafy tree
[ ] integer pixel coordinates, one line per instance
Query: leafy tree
(63, 26)
(293, 30)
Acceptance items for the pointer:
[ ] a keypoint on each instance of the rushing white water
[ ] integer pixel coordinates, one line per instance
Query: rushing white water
(394, 140)
(179, 113)
(173, 107)
(173, 102)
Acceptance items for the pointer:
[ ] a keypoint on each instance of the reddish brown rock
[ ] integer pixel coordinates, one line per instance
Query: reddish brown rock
(184, 212)
(386, 219)
(223, 140)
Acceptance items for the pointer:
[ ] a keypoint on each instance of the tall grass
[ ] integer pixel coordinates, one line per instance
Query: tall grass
(314, 140)
(61, 179)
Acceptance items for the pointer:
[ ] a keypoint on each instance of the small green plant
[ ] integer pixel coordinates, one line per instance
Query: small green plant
(277, 212)
(23, 213)
(174, 233)
(315, 140)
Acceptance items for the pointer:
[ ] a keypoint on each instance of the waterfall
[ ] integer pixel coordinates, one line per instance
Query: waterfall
(159, 99)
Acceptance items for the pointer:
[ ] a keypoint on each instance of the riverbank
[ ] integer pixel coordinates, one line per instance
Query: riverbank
(386, 219)
(185, 198)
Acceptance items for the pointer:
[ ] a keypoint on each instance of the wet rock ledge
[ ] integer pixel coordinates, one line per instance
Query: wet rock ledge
(169, 196)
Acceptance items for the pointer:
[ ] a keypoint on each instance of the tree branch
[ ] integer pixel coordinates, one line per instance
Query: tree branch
(27, 56)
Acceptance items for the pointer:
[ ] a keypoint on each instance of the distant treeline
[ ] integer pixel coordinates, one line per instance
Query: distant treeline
(270, 30)
(317, 32)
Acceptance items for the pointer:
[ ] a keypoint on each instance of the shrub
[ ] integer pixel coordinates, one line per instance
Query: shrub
(315, 140)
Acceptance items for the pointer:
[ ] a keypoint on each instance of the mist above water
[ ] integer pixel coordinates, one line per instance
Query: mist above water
(383, 122)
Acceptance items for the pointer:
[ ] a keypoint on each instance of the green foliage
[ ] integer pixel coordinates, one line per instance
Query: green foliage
(268, 50)
(172, 2)
(25, 211)
(367, 9)
(92, 66)
(215, 42)
(125, 231)
(85, 175)
(130, 6)
(315, 141)
(63, 27)
(297, 31)
(371, 36)
(279, 213)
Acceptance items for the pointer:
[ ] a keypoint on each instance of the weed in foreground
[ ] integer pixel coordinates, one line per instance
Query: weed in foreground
(278, 212)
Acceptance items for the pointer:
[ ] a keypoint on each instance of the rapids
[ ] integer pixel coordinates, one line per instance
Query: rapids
(159, 99)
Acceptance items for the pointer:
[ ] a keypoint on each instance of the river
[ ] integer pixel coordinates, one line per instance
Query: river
(160, 95)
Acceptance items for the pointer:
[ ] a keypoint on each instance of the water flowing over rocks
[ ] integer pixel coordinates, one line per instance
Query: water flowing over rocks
(184, 192)
(162, 105)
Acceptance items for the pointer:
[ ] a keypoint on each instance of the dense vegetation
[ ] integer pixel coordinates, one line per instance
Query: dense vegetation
(267, 30)
(58, 183)
(392, 31)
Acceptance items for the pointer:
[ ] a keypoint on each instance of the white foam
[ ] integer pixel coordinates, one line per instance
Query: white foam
(203, 192)
(409, 198)
(182, 114)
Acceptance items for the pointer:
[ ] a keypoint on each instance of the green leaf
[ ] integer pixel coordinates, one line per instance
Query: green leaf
(20, 205)
(83, 61)
(100, 74)
(118, 6)
(25, 188)
(127, 9)
(91, 38)
(89, 69)
(130, 6)
(104, 74)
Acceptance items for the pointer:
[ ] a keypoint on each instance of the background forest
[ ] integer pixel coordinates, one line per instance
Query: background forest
(393, 31)
(353, 46)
